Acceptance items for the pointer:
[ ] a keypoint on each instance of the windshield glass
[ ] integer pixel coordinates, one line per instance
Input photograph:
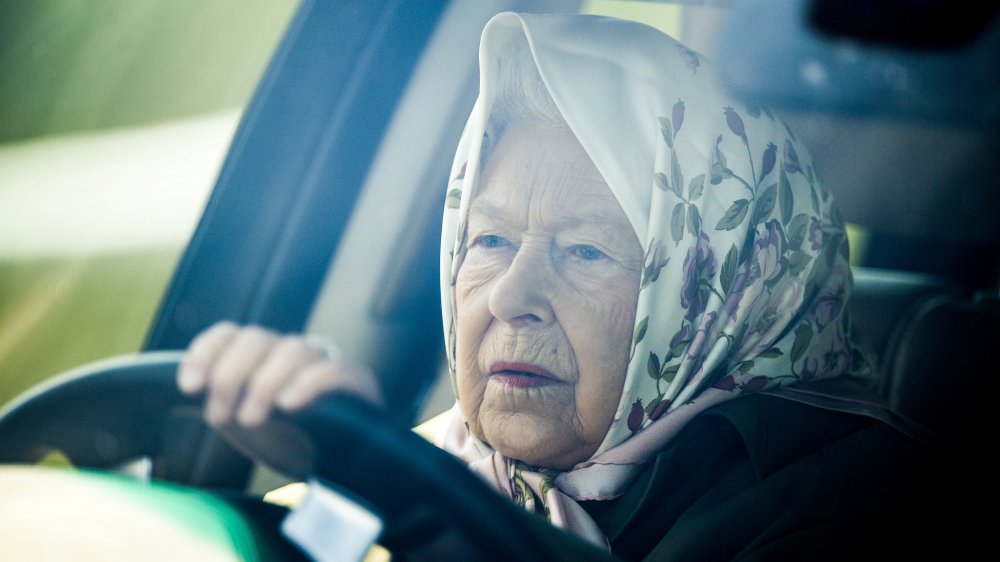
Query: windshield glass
(115, 120)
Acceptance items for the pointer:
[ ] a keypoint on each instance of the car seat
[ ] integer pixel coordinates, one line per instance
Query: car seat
(934, 343)
(940, 367)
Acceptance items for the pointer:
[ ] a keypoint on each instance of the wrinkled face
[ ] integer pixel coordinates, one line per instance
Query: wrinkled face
(546, 299)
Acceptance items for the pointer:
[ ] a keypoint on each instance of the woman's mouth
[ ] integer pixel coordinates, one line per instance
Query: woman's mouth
(522, 375)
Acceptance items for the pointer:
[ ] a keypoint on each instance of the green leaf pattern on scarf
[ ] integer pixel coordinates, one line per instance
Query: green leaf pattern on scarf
(745, 277)
(739, 302)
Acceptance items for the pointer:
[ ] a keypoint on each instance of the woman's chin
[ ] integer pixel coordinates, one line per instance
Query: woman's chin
(537, 441)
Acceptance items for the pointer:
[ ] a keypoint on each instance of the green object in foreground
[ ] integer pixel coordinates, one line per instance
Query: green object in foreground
(58, 513)
(201, 514)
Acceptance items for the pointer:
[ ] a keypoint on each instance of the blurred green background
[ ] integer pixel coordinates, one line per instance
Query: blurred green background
(91, 94)
(74, 65)
(114, 119)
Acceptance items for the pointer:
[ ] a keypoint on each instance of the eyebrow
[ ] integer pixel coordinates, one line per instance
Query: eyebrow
(496, 212)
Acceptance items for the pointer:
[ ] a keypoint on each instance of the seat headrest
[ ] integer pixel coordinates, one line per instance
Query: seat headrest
(882, 298)
(941, 366)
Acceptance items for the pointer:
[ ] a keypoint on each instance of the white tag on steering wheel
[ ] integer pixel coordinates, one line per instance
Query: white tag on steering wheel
(330, 527)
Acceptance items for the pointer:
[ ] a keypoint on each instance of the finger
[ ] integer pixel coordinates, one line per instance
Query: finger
(201, 355)
(331, 375)
(233, 368)
(310, 382)
(287, 356)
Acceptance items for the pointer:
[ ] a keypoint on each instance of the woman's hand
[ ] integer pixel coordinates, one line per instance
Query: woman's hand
(247, 371)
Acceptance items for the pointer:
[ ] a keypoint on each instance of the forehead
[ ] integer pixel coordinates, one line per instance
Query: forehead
(545, 170)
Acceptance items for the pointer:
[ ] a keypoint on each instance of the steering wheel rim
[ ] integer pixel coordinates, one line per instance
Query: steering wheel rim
(107, 412)
(104, 414)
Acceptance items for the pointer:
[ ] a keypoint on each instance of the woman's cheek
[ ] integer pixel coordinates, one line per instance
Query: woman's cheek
(469, 381)
(599, 322)
(472, 319)
(620, 311)
(477, 271)
(471, 391)
(612, 298)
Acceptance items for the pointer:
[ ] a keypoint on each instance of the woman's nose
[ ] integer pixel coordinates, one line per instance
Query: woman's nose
(521, 296)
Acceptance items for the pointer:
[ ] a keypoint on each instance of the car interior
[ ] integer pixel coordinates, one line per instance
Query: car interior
(325, 216)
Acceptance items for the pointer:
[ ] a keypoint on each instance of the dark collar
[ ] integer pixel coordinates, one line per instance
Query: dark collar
(766, 431)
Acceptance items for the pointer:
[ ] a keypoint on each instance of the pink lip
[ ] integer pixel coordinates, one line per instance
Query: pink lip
(521, 375)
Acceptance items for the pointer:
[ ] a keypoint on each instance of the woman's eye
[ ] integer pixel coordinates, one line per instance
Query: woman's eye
(587, 253)
(490, 241)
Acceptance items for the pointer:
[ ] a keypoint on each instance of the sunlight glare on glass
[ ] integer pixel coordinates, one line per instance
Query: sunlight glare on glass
(109, 190)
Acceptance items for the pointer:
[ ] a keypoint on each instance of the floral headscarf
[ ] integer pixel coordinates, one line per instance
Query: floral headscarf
(746, 276)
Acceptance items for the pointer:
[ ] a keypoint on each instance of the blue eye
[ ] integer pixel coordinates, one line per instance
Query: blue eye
(490, 241)
(588, 253)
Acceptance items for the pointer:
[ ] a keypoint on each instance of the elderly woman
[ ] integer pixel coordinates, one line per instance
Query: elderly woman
(644, 288)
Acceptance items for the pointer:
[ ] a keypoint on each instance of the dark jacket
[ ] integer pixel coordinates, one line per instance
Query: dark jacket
(763, 478)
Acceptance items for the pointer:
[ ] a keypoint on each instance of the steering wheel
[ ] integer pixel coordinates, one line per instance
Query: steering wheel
(108, 413)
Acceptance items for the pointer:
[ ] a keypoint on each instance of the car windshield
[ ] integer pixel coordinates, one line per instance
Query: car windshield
(116, 119)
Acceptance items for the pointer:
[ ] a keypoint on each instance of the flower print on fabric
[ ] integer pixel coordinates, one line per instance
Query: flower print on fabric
(698, 271)
(745, 274)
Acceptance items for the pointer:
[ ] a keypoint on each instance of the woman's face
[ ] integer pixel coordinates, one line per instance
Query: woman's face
(546, 299)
